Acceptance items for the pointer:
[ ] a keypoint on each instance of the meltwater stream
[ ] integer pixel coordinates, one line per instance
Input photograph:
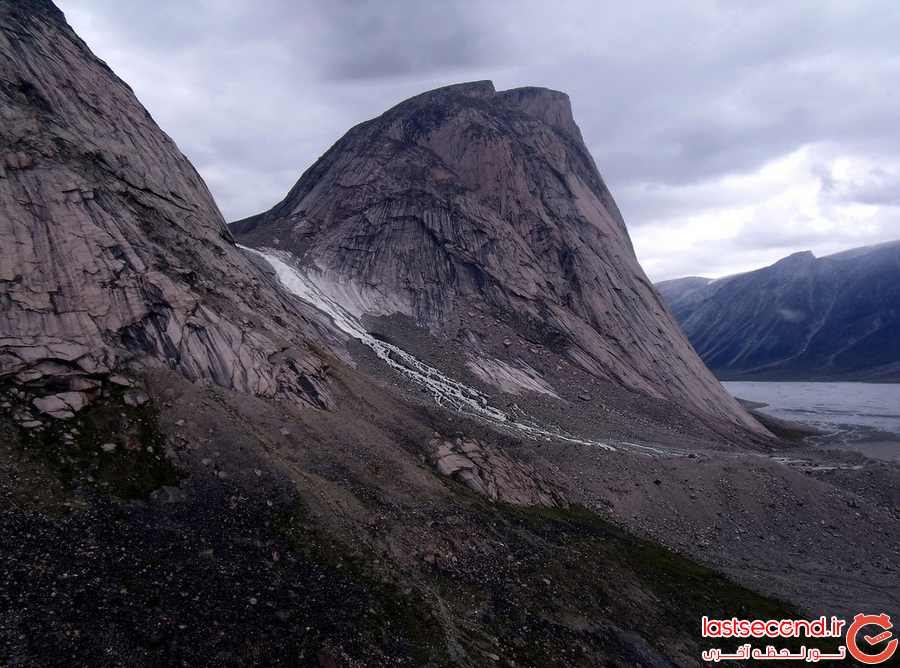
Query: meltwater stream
(445, 391)
(451, 393)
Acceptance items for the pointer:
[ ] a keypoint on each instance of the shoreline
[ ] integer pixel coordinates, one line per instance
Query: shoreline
(869, 441)
(822, 381)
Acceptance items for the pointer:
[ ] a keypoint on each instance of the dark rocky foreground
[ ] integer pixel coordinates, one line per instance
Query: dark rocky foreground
(221, 547)
(257, 534)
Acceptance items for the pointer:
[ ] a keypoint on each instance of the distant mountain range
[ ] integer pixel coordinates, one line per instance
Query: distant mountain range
(803, 318)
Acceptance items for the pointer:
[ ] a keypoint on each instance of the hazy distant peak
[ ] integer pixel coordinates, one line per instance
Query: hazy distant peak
(800, 318)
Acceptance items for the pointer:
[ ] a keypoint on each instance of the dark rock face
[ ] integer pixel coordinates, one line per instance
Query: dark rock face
(465, 196)
(113, 250)
(832, 317)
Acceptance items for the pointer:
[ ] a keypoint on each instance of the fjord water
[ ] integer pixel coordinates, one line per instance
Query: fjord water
(863, 416)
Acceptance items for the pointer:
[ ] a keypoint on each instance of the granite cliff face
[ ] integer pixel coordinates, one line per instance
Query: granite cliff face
(466, 203)
(801, 318)
(113, 251)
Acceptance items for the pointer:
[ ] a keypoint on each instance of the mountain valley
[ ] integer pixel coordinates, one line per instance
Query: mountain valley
(428, 410)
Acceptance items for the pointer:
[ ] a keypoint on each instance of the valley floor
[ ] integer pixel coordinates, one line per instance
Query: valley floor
(249, 534)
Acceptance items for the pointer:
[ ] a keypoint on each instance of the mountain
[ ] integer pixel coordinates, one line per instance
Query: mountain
(481, 216)
(679, 293)
(196, 466)
(114, 252)
(803, 318)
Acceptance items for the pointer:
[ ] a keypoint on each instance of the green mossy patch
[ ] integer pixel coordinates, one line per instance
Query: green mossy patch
(132, 470)
(680, 582)
(574, 588)
(643, 586)
(382, 611)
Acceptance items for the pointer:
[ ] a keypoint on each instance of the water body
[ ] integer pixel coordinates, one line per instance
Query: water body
(860, 416)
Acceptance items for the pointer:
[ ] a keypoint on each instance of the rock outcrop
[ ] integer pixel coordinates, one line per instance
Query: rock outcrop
(489, 471)
(804, 317)
(465, 196)
(112, 251)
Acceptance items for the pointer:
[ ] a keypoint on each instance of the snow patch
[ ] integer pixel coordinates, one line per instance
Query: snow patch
(444, 390)
(792, 315)
(508, 378)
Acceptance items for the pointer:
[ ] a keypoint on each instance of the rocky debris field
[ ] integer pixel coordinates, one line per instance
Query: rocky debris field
(780, 516)
(268, 548)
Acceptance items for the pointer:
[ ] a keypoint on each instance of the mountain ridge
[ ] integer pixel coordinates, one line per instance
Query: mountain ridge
(801, 318)
(198, 468)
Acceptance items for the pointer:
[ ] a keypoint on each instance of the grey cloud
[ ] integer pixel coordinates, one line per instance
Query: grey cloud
(877, 187)
(785, 238)
(414, 39)
(671, 97)
(761, 245)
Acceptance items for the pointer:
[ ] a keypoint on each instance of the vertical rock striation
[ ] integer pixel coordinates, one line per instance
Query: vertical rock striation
(112, 250)
(465, 195)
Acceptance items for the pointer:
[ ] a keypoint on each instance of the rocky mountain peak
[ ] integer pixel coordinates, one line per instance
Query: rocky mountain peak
(23, 9)
(466, 197)
(550, 106)
(476, 89)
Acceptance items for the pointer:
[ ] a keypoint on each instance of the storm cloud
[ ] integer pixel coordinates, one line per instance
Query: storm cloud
(730, 132)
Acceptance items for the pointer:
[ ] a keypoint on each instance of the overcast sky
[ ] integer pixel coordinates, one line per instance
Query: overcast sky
(731, 133)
